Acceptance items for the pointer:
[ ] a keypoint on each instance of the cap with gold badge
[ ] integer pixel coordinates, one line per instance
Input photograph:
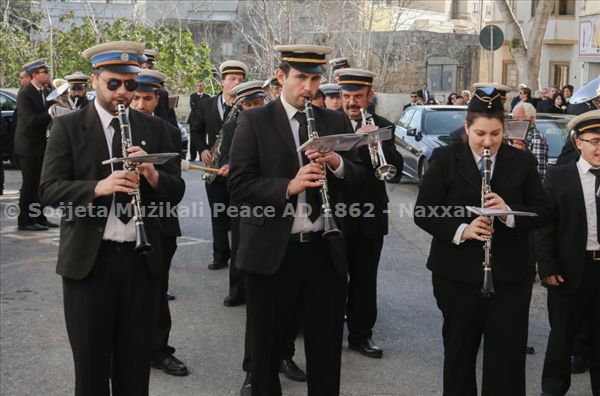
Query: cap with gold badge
(116, 56)
(233, 67)
(501, 88)
(354, 79)
(78, 80)
(586, 122)
(339, 63)
(248, 90)
(150, 80)
(304, 58)
(330, 89)
(486, 100)
(36, 64)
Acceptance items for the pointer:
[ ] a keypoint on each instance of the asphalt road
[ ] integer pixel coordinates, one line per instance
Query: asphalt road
(36, 358)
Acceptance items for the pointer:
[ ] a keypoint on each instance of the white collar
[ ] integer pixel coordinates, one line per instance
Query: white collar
(105, 116)
(289, 109)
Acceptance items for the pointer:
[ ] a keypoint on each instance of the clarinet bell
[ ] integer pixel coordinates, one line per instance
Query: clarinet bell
(488, 284)
(330, 230)
(141, 245)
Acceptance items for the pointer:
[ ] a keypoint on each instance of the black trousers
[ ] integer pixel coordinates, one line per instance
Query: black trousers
(192, 147)
(160, 344)
(363, 260)
(217, 194)
(502, 319)
(236, 276)
(566, 313)
(306, 278)
(110, 316)
(31, 170)
(289, 342)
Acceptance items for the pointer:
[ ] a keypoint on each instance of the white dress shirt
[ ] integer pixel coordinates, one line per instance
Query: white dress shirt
(302, 222)
(115, 229)
(588, 183)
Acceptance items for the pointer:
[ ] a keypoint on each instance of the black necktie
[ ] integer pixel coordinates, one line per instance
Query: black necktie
(358, 125)
(226, 110)
(312, 194)
(596, 173)
(121, 199)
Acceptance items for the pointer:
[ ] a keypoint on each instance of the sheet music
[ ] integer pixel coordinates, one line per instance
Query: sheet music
(498, 212)
(157, 159)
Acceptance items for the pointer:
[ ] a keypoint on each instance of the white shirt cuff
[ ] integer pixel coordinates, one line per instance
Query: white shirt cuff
(340, 171)
(510, 220)
(457, 240)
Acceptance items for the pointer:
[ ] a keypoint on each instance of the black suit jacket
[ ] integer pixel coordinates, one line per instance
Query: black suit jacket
(453, 180)
(263, 161)
(72, 169)
(372, 196)
(169, 225)
(422, 95)
(228, 133)
(162, 110)
(544, 106)
(195, 99)
(560, 248)
(208, 123)
(30, 136)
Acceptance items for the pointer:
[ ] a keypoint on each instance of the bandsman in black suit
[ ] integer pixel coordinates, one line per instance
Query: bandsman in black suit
(337, 64)
(210, 118)
(145, 99)
(148, 61)
(111, 293)
(30, 144)
(364, 233)
(272, 88)
(78, 84)
(287, 263)
(195, 99)
(332, 96)
(453, 181)
(568, 257)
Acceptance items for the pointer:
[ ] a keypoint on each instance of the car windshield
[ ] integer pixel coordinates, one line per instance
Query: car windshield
(443, 122)
(555, 135)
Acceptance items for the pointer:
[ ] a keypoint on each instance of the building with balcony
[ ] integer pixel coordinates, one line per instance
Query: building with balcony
(571, 46)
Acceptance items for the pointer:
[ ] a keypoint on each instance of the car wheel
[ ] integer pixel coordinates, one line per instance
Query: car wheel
(422, 168)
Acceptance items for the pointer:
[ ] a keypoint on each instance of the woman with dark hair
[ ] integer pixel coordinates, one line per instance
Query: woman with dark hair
(560, 104)
(452, 98)
(453, 181)
(433, 101)
(567, 91)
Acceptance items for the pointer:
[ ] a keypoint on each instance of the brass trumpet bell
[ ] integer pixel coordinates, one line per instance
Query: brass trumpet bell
(589, 91)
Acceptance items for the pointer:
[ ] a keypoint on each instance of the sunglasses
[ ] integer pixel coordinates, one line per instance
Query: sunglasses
(113, 84)
(42, 72)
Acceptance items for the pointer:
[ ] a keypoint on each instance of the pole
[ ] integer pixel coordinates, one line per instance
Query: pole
(492, 51)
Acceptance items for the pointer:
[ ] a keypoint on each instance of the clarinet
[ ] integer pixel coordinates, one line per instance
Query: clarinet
(215, 150)
(330, 230)
(488, 284)
(142, 246)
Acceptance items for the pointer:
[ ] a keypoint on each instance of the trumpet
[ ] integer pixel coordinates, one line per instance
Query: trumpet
(488, 284)
(330, 230)
(383, 171)
(61, 96)
(142, 246)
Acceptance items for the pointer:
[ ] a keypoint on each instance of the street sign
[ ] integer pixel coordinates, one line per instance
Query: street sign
(491, 38)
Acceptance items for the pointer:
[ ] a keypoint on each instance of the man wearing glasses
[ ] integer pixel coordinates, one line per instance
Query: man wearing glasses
(111, 293)
(30, 144)
(568, 257)
(414, 101)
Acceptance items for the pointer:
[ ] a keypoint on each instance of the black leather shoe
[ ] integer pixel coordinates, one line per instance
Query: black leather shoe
(234, 301)
(366, 347)
(247, 386)
(216, 265)
(579, 364)
(530, 350)
(290, 369)
(172, 366)
(170, 296)
(48, 224)
(32, 227)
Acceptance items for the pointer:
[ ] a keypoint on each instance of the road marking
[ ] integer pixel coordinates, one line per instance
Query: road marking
(192, 241)
(32, 261)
